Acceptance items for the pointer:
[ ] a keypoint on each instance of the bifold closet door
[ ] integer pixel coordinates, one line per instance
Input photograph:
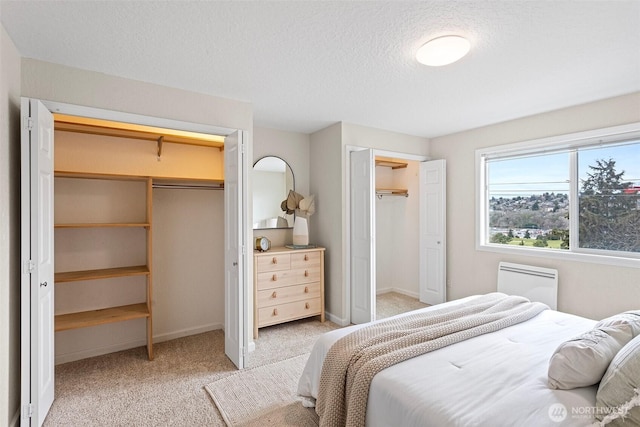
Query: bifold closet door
(362, 223)
(37, 280)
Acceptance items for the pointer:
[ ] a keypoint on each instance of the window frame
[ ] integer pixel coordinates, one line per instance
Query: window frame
(570, 143)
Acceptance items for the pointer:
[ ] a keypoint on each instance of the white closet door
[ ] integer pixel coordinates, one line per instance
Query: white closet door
(433, 232)
(37, 281)
(363, 307)
(234, 278)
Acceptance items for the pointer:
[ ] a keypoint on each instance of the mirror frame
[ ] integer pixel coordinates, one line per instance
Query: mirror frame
(293, 183)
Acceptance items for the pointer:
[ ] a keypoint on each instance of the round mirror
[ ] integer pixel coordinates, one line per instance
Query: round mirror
(272, 180)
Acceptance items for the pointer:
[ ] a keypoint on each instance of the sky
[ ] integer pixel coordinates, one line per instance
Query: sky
(550, 172)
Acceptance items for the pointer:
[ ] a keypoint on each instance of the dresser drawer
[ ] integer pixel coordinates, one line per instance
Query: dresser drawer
(275, 262)
(276, 279)
(305, 260)
(289, 311)
(287, 294)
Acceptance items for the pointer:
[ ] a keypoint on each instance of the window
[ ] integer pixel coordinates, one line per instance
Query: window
(575, 195)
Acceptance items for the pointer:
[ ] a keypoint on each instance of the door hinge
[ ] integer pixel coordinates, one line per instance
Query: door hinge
(244, 351)
(28, 123)
(27, 411)
(244, 250)
(29, 266)
(242, 147)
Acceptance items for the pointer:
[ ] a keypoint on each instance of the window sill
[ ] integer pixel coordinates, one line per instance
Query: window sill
(562, 255)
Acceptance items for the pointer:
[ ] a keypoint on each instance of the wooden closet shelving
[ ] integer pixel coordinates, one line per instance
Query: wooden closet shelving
(122, 313)
(89, 318)
(103, 273)
(124, 143)
(393, 164)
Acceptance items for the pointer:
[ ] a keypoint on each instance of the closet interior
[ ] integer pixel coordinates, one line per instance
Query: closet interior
(138, 235)
(397, 227)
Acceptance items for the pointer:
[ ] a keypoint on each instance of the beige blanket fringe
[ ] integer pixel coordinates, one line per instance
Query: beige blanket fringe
(355, 359)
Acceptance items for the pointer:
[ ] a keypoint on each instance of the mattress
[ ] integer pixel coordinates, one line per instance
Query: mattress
(496, 379)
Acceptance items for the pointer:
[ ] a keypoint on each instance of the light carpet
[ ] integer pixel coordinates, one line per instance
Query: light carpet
(263, 396)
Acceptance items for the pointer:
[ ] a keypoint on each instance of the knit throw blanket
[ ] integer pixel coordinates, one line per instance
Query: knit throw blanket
(353, 360)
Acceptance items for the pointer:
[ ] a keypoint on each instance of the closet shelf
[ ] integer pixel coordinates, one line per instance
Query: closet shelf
(91, 126)
(390, 163)
(103, 225)
(105, 273)
(85, 319)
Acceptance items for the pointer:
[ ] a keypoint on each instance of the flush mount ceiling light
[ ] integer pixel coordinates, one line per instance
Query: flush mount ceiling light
(443, 50)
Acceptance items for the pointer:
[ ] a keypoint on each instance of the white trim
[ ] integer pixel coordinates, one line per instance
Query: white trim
(559, 142)
(568, 141)
(118, 116)
(346, 238)
(168, 336)
(398, 291)
(337, 320)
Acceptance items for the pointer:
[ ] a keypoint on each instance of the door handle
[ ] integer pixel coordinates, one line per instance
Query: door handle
(235, 264)
(44, 284)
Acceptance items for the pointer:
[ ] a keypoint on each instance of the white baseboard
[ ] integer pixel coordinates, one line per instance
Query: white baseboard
(186, 332)
(335, 319)
(252, 346)
(99, 351)
(399, 291)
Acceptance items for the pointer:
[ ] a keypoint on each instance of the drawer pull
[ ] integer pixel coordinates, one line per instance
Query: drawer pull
(306, 273)
(306, 257)
(274, 260)
(275, 277)
(306, 305)
(306, 290)
(274, 295)
(275, 311)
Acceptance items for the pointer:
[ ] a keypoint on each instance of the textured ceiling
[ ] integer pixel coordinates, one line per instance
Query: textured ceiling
(305, 65)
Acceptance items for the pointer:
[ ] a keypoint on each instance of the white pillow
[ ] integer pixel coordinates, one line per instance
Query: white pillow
(618, 384)
(628, 319)
(582, 361)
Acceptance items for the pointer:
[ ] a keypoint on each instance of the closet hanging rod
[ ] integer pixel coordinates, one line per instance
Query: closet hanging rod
(188, 187)
(379, 195)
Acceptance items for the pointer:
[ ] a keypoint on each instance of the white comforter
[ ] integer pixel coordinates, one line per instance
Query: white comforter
(497, 379)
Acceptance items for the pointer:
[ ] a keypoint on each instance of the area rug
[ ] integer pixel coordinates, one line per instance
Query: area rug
(263, 396)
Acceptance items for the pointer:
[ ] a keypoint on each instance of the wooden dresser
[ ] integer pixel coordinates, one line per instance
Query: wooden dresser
(288, 285)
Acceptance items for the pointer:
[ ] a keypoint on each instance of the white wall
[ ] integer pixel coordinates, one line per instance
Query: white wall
(293, 147)
(591, 290)
(9, 230)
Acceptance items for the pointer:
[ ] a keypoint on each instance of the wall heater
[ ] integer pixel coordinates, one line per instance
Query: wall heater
(535, 283)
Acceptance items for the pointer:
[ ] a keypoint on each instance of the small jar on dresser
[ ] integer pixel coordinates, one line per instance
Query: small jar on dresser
(288, 285)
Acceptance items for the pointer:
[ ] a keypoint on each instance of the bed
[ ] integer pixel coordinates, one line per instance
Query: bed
(496, 379)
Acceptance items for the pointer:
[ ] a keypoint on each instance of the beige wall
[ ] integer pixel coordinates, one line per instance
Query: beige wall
(53, 82)
(325, 227)
(591, 290)
(9, 230)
